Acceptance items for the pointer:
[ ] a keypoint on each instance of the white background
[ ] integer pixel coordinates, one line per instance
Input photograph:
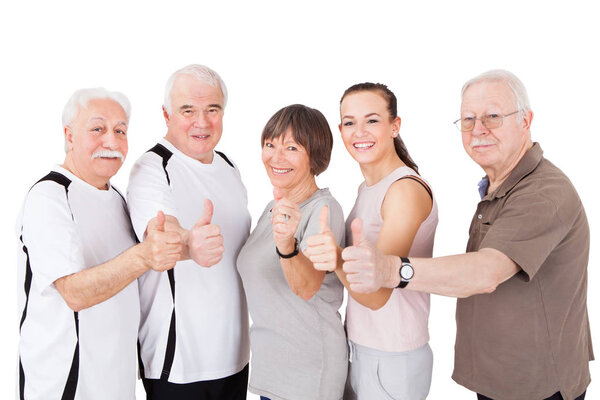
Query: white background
(272, 54)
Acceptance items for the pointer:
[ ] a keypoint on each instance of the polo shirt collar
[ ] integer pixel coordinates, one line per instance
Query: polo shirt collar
(528, 163)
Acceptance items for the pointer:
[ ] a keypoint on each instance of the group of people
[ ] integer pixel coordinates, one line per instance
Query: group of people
(166, 280)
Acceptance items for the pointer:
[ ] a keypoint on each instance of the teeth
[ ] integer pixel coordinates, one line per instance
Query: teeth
(281, 171)
(363, 145)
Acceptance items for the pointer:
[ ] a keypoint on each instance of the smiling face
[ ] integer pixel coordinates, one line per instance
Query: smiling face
(97, 142)
(367, 128)
(496, 150)
(196, 121)
(287, 162)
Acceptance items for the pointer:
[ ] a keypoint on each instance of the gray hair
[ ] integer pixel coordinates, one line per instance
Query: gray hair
(82, 97)
(514, 83)
(200, 72)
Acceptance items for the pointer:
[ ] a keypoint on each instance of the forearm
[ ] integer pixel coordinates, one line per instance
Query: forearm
(374, 300)
(302, 277)
(461, 275)
(94, 285)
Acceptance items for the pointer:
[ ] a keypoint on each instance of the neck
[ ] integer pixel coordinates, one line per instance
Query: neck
(70, 166)
(376, 171)
(497, 175)
(302, 191)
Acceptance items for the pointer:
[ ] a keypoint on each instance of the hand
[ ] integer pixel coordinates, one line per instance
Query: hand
(160, 249)
(367, 269)
(205, 242)
(323, 249)
(285, 217)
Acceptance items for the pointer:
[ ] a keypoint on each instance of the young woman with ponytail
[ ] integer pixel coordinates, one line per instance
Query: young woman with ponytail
(387, 330)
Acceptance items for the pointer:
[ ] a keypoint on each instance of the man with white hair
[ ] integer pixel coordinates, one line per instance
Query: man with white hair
(522, 321)
(78, 263)
(194, 326)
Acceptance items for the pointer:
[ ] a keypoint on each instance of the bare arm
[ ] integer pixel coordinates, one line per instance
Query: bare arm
(303, 279)
(405, 206)
(159, 251)
(461, 275)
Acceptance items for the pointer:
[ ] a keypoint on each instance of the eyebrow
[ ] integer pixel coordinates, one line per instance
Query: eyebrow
(215, 106)
(186, 107)
(366, 116)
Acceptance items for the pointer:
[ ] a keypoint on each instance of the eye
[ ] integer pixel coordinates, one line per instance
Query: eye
(121, 132)
(97, 129)
(292, 148)
(188, 112)
(348, 123)
(269, 145)
(493, 116)
(372, 121)
(213, 110)
(468, 119)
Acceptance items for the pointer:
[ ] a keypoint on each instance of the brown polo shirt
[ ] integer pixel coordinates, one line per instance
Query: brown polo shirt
(529, 338)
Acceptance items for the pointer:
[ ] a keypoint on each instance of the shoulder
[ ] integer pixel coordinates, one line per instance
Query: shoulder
(409, 192)
(323, 198)
(547, 184)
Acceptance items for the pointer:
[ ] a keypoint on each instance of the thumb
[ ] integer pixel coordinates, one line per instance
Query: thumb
(159, 224)
(207, 214)
(357, 232)
(324, 220)
(277, 194)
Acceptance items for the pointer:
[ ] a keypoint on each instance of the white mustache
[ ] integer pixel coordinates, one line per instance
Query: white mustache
(108, 154)
(480, 142)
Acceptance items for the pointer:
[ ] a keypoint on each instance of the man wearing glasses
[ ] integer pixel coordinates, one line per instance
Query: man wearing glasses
(522, 321)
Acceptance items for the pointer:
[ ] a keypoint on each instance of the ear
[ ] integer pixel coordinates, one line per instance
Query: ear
(340, 127)
(69, 138)
(166, 116)
(527, 118)
(396, 125)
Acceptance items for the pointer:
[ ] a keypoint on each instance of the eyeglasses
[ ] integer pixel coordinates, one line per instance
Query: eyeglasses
(490, 121)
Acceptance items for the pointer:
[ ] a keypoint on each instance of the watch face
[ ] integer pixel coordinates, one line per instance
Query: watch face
(406, 272)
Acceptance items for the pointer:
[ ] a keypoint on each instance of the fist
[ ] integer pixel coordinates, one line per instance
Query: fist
(161, 250)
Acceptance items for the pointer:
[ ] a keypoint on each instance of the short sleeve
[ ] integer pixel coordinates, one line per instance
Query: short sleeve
(336, 221)
(50, 236)
(148, 192)
(527, 230)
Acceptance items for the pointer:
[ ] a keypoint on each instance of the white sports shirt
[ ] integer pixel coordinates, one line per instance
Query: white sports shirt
(66, 226)
(203, 333)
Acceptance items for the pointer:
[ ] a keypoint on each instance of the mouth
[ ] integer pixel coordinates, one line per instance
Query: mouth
(363, 146)
(200, 137)
(281, 171)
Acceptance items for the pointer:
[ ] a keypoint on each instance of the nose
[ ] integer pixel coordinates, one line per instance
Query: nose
(201, 120)
(480, 128)
(278, 155)
(110, 141)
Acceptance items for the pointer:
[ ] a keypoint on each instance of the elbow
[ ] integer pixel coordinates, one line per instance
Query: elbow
(74, 305)
(485, 286)
(375, 305)
(305, 293)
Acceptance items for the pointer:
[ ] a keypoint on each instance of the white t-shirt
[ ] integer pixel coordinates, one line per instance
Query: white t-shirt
(211, 329)
(63, 233)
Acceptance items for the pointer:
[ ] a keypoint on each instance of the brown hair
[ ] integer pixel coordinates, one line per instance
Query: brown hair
(392, 107)
(309, 129)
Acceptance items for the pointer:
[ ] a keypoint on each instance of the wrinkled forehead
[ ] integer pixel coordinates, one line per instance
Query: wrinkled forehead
(486, 94)
(105, 109)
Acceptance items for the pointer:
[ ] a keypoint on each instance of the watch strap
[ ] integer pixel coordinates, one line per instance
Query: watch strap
(292, 254)
(402, 284)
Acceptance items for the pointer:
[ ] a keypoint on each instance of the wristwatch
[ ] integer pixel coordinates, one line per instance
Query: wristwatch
(292, 254)
(406, 272)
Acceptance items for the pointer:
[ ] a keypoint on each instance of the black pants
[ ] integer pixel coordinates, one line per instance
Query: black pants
(555, 396)
(234, 387)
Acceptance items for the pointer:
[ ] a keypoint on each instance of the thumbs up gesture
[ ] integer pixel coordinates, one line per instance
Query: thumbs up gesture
(367, 269)
(205, 242)
(160, 249)
(285, 217)
(323, 249)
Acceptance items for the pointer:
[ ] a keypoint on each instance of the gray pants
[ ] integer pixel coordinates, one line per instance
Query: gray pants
(375, 374)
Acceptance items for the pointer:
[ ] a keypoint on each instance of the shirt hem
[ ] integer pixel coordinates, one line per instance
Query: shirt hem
(197, 377)
(496, 395)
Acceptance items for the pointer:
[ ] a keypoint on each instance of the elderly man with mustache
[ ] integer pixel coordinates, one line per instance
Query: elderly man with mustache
(79, 263)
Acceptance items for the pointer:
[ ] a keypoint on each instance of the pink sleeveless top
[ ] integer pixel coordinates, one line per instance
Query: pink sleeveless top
(401, 324)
